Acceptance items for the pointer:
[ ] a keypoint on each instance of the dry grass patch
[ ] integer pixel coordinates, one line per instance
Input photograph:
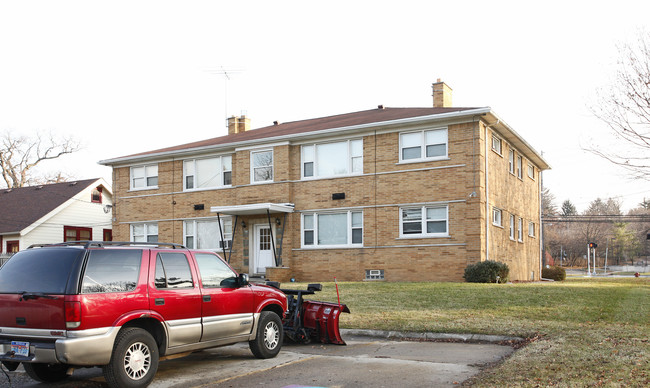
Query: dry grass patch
(587, 332)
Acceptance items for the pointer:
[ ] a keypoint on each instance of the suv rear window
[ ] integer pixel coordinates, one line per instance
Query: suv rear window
(43, 270)
(111, 270)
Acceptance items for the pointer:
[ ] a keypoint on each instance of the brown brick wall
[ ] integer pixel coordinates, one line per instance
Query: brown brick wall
(379, 195)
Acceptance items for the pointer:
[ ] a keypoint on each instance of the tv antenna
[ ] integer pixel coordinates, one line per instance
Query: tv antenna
(226, 73)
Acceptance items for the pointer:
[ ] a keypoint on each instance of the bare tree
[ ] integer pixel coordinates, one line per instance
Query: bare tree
(625, 108)
(19, 155)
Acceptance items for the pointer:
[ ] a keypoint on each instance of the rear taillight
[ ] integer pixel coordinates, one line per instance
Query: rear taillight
(72, 315)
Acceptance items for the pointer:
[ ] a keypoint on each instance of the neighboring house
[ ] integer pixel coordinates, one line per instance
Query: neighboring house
(68, 211)
(398, 194)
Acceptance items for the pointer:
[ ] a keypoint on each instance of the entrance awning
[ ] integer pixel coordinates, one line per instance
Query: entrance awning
(254, 208)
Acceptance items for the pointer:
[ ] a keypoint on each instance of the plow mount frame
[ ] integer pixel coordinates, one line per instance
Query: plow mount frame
(309, 320)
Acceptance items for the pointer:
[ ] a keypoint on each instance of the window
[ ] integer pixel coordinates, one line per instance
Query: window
(531, 229)
(512, 227)
(96, 195)
(331, 159)
(107, 235)
(111, 271)
(214, 272)
(531, 171)
(425, 221)
(519, 168)
(332, 229)
(496, 144)
(75, 233)
(520, 230)
(423, 145)
(207, 173)
(13, 246)
(496, 216)
(144, 232)
(511, 161)
(173, 271)
(204, 234)
(262, 166)
(374, 274)
(144, 177)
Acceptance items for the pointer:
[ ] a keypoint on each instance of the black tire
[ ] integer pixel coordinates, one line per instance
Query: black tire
(46, 373)
(269, 337)
(134, 361)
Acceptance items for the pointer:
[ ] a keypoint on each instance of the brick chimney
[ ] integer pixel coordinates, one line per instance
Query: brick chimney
(238, 124)
(441, 95)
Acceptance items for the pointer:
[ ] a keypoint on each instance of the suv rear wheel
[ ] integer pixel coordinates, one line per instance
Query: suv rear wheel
(46, 373)
(134, 361)
(269, 337)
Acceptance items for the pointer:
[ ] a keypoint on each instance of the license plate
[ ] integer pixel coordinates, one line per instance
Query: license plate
(20, 348)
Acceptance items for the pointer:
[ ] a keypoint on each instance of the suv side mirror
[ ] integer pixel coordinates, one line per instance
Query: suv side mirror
(242, 280)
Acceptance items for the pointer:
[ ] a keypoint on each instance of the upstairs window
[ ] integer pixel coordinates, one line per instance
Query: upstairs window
(144, 177)
(423, 145)
(96, 195)
(332, 159)
(207, 173)
(496, 145)
(511, 161)
(531, 171)
(262, 166)
(496, 216)
(425, 221)
(519, 167)
(531, 229)
(204, 234)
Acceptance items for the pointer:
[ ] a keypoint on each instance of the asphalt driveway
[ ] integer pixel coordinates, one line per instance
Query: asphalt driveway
(366, 361)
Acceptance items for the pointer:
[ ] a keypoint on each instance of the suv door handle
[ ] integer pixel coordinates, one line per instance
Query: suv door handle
(207, 298)
(159, 301)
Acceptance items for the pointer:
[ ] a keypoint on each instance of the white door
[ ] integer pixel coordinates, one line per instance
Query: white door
(263, 248)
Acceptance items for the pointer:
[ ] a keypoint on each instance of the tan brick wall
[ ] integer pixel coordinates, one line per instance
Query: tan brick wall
(378, 194)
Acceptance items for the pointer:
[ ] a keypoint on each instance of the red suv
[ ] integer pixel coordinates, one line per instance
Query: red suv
(124, 306)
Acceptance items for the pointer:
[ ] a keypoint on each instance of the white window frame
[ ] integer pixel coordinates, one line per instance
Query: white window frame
(520, 229)
(146, 176)
(497, 144)
(497, 217)
(519, 167)
(511, 161)
(512, 227)
(304, 159)
(531, 229)
(423, 146)
(221, 173)
(148, 231)
(350, 227)
(531, 171)
(423, 221)
(227, 236)
(253, 167)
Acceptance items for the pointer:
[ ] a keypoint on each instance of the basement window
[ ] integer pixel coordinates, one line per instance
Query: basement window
(374, 274)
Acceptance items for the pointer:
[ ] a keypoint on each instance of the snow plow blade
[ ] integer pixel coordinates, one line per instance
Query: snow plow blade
(310, 320)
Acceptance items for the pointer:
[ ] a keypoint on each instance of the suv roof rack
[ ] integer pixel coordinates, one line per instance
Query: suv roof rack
(99, 244)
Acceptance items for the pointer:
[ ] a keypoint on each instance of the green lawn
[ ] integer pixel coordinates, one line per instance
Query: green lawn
(581, 332)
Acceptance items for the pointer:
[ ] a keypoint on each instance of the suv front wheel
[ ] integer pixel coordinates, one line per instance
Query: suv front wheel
(134, 360)
(269, 337)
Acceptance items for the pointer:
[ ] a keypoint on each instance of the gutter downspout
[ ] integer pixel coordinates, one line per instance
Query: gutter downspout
(487, 193)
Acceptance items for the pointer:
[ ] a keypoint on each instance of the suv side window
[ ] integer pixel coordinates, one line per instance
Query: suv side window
(111, 271)
(173, 271)
(214, 272)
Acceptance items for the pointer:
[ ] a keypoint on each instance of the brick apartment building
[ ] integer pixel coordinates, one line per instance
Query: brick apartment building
(396, 194)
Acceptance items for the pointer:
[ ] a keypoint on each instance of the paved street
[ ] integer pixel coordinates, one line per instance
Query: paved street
(365, 361)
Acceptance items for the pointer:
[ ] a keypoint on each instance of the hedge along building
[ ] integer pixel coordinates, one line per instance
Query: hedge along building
(397, 194)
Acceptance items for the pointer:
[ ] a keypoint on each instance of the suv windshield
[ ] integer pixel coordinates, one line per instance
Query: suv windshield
(43, 270)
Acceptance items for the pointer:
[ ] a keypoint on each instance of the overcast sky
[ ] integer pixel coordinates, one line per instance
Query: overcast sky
(130, 76)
